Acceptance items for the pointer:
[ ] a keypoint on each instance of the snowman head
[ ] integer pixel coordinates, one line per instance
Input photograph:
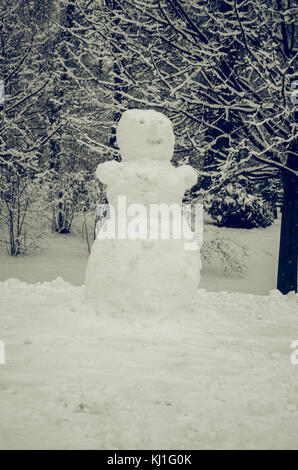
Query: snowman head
(145, 134)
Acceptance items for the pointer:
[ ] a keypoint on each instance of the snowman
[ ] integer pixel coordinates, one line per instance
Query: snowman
(136, 271)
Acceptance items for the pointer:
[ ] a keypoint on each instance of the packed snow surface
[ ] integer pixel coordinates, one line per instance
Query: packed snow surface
(217, 375)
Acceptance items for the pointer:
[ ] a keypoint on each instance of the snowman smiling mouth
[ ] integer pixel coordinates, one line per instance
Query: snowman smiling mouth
(154, 142)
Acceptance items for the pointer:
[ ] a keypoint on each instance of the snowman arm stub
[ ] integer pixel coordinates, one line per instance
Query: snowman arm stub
(188, 174)
(107, 172)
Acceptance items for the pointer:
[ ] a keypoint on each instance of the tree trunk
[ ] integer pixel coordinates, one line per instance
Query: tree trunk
(114, 5)
(288, 251)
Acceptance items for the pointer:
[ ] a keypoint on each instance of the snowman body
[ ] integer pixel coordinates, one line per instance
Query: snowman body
(129, 272)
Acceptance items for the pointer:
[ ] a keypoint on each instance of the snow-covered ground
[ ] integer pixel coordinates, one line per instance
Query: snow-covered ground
(218, 375)
(66, 256)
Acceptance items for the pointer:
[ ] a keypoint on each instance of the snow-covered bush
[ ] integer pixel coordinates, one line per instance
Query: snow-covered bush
(68, 193)
(231, 254)
(21, 212)
(233, 206)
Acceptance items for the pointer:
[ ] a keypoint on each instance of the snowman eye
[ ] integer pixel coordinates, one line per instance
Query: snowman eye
(162, 123)
(142, 121)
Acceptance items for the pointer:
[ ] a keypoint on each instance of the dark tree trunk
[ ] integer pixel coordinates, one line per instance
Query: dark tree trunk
(288, 251)
(119, 86)
(61, 222)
